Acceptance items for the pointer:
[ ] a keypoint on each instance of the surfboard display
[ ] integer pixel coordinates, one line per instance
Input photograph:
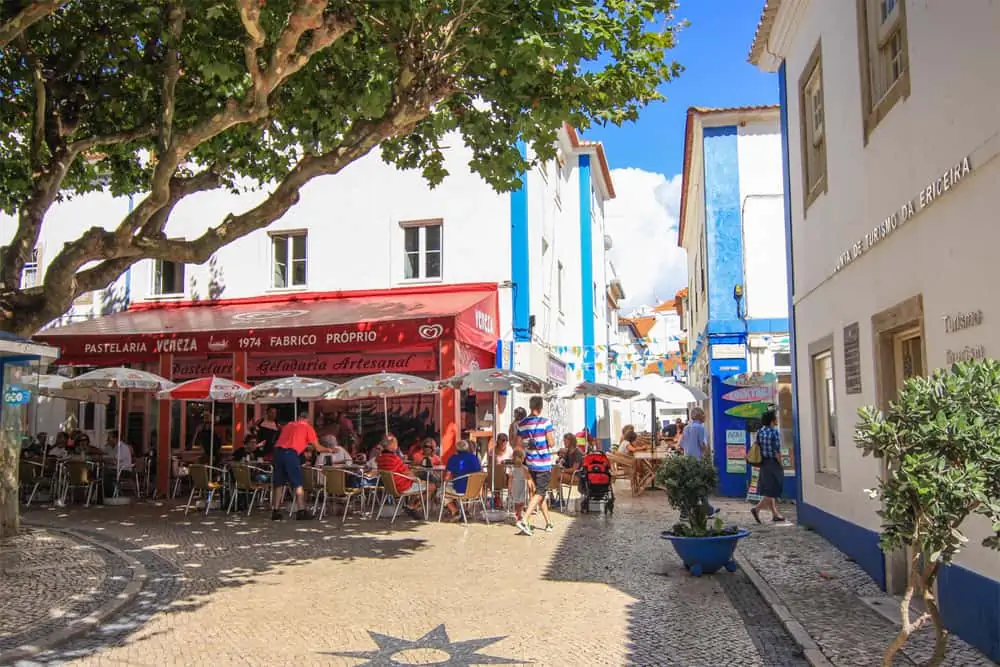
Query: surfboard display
(754, 410)
(764, 393)
(752, 379)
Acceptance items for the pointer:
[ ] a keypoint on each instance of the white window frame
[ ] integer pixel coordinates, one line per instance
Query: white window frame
(812, 108)
(156, 267)
(289, 259)
(32, 266)
(884, 58)
(422, 251)
(823, 374)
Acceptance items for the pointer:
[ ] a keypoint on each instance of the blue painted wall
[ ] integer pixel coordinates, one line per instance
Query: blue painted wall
(790, 267)
(520, 273)
(970, 606)
(587, 289)
(722, 220)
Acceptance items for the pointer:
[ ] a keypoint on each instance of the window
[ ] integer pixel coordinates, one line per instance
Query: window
(30, 275)
(825, 411)
(559, 286)
(422, 250)
(168, 278)
(885, 77)
(813, 128)
(288, 260)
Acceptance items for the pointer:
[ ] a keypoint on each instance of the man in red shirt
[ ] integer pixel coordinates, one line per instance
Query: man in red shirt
(292, 442)
(390, 460)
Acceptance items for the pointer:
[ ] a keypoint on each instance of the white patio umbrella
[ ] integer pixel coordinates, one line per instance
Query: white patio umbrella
(595, 389)
(118, 380)
(659, 389)
(53, 386)
(382, 385)
(283, 390)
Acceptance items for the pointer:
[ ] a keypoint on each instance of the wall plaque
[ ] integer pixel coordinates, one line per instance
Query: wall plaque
(852, 359)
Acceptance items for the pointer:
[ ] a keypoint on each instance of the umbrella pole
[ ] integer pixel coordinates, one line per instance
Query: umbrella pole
(211, 439)
(118, 455)
(385, 413)
(654, 422)
(492, 456)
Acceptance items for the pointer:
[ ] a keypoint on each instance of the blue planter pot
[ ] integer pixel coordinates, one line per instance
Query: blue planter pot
(705, 555)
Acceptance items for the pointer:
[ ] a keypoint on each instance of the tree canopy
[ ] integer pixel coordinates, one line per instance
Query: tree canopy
(164, 99)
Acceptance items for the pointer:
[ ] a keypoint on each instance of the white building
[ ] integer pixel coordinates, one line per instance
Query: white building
(889, 110)
(732, 227)
(375, 228)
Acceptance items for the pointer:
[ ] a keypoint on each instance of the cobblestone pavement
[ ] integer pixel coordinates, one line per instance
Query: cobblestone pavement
(596, 591)
(826, 591)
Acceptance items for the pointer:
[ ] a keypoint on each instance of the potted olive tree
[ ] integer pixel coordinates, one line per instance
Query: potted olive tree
(940, 446)
(703, 545)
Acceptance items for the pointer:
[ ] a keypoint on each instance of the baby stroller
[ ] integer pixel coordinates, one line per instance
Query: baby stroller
(596, 484)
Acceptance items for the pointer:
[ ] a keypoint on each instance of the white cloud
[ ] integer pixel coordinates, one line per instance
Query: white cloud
(642, 220)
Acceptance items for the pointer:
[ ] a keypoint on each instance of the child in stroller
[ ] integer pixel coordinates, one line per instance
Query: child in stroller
(596, 483)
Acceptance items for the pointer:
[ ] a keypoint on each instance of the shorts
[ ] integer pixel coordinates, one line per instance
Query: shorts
(541, 479)
(287, 468)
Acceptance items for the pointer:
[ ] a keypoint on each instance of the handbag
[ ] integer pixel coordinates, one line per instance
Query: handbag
(754, 457)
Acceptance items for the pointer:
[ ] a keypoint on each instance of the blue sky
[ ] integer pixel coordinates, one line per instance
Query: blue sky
(713, 50)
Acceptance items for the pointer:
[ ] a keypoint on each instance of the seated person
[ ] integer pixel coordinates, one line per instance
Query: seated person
(629, 447)
(389, 460)
(248, 450)
(337, 456)
(463, 462)
(60, 448)
(426, 460)
(571, 460)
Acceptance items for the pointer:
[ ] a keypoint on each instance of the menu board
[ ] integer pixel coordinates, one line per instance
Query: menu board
(852, 359)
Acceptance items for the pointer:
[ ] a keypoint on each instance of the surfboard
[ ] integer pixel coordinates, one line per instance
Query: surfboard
(751, 394)
(753, 379)
(749, 410)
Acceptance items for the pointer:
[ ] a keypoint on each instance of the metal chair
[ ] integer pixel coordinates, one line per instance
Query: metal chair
(32, 474)
(243, 475)
(78, 476)
(391, 490)
(474, 484)
(336, 487)
(202, 484)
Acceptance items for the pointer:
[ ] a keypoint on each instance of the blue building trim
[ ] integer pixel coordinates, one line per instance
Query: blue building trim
(520, 271)
(970, 606)
(790, 268)
(724, 243)
(774, 325)
(587, 289)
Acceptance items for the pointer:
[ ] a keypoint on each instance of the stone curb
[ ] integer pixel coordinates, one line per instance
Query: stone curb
(810, 649)
(92, 620)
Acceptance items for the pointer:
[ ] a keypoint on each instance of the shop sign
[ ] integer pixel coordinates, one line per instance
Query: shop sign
(923, 199)
(317, 339)
(15, 395)
(316, 365)
(557, 370)
(967, 353)
(485, 323)
(728, 351)
(765, 393)
(961, 321)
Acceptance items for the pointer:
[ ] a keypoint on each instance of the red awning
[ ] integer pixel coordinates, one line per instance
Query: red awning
(327, 322)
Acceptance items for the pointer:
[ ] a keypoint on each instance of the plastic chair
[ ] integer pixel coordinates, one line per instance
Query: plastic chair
(78, 477)
(202, 484)
(32, 475)
(243, 474)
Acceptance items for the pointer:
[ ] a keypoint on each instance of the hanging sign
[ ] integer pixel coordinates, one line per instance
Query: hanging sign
(752, 379)
(15, 395)
(752, 492)
(749, 410)
(764, 393)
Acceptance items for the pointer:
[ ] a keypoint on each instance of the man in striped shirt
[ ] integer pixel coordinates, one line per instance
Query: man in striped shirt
(536, 432)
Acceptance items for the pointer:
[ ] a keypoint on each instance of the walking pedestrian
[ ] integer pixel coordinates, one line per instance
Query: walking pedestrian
(772, 475)
(292, 442)
(536, 432)
(694, 442)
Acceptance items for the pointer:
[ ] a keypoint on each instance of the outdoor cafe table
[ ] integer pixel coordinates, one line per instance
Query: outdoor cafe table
(646, 464)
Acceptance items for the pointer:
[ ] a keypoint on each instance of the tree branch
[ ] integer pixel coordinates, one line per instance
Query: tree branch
(171, 73)
(27, 17)
(36, 155)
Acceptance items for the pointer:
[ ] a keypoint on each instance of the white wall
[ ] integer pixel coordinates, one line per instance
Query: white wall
(946, 253)
(763, 219)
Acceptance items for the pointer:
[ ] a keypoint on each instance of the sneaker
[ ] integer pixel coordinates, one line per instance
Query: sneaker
(303, 515)
(523, 526)
(276, 515)
(549, 528)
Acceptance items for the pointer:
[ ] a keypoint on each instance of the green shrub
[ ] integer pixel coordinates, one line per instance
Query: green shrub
(940, 445)
(688, 482)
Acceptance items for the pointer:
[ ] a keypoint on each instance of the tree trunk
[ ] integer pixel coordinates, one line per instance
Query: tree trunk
(10, 520)
(912, 586)
(940, 632)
